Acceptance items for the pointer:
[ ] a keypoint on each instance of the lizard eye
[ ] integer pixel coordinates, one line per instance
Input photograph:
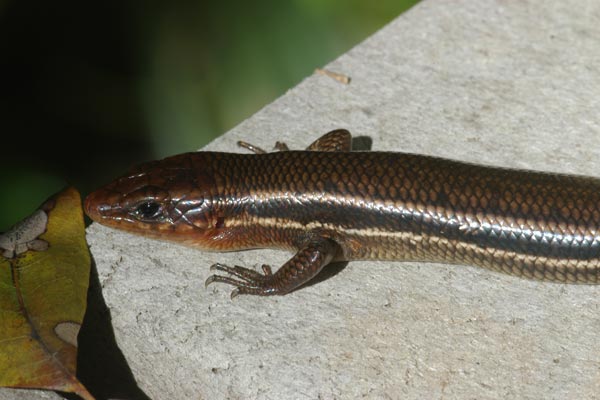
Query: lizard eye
(148, 211)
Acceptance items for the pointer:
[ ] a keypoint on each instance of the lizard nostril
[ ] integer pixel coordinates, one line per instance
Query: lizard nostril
(103, 208)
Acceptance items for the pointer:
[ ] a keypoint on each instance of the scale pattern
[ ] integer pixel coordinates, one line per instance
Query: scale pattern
(410, 207)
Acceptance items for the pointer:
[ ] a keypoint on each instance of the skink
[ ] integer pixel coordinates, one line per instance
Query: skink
(328, 204)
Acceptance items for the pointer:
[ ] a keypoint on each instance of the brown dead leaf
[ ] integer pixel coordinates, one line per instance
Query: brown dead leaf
(44, 276)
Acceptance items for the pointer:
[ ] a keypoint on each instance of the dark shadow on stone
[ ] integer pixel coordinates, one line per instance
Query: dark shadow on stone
(101, 366)
(362, 143)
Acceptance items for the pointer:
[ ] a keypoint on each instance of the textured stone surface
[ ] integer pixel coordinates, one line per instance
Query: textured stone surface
(504, 83)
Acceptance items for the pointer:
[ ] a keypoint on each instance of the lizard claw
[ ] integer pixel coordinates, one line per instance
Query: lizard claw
(246, 281)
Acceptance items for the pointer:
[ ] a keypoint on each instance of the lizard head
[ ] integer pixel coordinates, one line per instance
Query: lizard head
(168, 199)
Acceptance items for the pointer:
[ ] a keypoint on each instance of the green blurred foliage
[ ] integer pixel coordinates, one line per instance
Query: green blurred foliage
(93, 89)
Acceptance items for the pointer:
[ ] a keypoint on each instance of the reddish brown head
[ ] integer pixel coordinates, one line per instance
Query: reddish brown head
(168, 199)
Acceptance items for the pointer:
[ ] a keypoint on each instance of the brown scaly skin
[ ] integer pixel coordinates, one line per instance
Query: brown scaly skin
(330, 204)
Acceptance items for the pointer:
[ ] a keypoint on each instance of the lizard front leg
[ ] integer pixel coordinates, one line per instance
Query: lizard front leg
(336, 140)
(301, 268)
